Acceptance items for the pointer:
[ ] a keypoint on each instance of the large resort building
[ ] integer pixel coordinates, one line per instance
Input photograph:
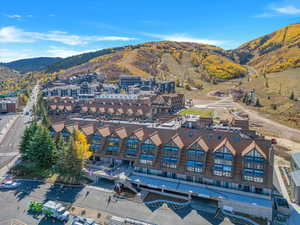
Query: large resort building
(143, 108)
(227, 166)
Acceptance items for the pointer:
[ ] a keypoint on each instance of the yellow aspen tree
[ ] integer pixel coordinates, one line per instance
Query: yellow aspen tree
(81, 149)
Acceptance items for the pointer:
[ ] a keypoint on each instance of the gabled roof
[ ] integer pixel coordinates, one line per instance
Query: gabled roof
(110, 110)
(177, 140)
(226, 143)
(121, 132)
(57, 127)
(93, 109)
(120, 110)
(84, 108)
(139, 133)
(139, 112)
(53, 107)
(129, 111)
(104, 131)
(71, 127)
(61, 107)
(155, 138)
(87, 129)
(200, 141)
(69, 107)
(252, 146)
(101, 109)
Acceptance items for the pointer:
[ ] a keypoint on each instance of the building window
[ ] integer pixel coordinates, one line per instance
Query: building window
(146, 159)
(195, 154)
(253, 175)
(97, 139)
(169, 162)
(254, 164)
(95, 147)
(113, 144)
(194, 166)
(223, 161)
(148, 148)
(132, 146)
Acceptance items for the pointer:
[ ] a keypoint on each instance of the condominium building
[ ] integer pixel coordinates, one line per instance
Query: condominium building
(225, 166)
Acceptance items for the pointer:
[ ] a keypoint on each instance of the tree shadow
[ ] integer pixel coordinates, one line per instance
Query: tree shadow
(26, 188)
(62, 193)
(50, 221)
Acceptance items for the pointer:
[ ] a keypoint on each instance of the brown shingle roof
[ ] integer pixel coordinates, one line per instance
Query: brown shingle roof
(87, 129)
(58, 127)
(227, 144)
(252, 146)
(121, 132)
(177, 140)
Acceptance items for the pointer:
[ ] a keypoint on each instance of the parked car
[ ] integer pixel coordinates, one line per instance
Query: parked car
(274, 141)
(9, 184)
(56, 210)
(78, 220)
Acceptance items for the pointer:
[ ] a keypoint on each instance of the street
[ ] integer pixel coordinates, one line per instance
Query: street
(9, 147)
(15, 203)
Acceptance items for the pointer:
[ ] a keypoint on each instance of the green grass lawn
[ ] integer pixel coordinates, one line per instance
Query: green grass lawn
(197, 112)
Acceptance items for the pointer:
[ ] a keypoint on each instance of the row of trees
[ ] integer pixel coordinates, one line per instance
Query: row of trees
(44, 154)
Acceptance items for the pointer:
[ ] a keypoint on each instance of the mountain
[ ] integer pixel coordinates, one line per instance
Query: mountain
(7, 73)
(77, 60)
(164, 59)
(272, 52)
(32, 64)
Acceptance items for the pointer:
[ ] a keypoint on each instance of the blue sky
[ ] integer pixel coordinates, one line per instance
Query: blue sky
(63, 28)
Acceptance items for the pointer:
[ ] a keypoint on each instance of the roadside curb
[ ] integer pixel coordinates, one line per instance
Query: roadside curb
(47, 182)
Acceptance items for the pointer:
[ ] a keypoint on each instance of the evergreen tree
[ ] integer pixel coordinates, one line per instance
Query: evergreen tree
(41, 149)
(257, 104)
(292, 96)
(26, 139)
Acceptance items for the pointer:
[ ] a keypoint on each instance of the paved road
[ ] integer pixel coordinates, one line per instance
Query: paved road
(9, 146)
(14, 204)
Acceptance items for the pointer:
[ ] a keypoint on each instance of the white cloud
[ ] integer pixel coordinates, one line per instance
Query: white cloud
(289, 10)
(264, 15)
(15, 16)
(7, 55)
(279, 10)
(185, 38)
(13, 34)
(62, 52)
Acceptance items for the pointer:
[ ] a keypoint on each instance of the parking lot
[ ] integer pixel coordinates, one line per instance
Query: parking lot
(14, 205)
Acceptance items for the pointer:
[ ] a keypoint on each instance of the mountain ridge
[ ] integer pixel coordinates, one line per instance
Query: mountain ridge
(273, 52)
(31, 64)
